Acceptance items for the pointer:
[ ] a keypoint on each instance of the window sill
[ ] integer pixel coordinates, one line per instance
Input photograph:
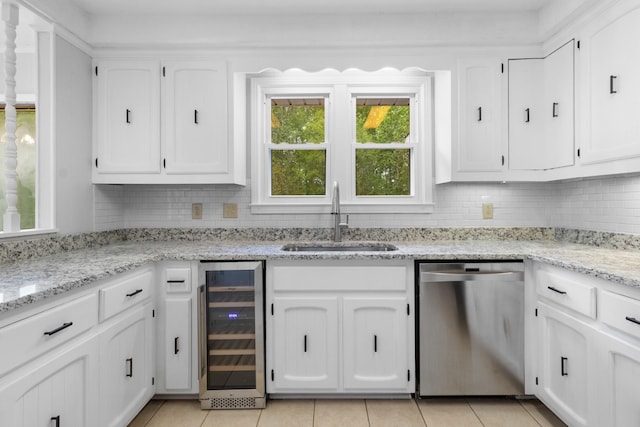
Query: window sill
(345, 208)
(17, 235)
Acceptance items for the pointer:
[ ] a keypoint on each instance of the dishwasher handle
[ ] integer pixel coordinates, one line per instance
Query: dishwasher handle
(473, 276)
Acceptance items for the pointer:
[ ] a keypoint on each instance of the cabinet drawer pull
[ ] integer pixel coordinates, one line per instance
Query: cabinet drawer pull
(479, 114)
(57, 420)
(551, 288)
(563, 370)
(175, 281)
(305, 343)
(129, 367)
(611, 88)
(527, 116)
(56, 330)
(375, 343)
(554, 112)
(176, 350)
(128, 116)
(134, 293)
(633, 320)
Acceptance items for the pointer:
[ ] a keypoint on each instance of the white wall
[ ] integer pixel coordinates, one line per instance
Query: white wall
(74, 193)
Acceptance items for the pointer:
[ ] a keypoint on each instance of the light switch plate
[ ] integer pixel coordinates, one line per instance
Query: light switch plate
(230, 210)
(196, 211)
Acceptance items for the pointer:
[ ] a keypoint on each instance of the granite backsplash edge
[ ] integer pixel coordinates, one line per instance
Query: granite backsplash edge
(24, 249)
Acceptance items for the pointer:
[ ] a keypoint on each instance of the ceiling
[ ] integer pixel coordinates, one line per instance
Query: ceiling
(298, 7)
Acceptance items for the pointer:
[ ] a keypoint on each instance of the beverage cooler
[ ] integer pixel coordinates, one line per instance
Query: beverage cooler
(231, 335)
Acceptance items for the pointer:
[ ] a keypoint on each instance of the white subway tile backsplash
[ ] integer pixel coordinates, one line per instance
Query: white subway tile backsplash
(609, 204)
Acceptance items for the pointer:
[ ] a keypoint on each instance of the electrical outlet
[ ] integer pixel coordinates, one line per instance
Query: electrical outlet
(487, 211)
(196, 211)
(230, 210)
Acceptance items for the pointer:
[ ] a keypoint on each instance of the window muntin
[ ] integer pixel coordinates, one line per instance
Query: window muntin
(400, 156)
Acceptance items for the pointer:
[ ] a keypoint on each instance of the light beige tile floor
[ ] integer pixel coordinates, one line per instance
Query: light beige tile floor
(458, 412)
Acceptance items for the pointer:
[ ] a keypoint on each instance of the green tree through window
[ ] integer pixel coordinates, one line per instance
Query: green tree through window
(26, 168)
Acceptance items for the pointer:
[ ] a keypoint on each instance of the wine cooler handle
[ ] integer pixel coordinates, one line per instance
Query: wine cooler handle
(202, 332)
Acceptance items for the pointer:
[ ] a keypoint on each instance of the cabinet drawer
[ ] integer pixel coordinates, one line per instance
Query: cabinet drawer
(620, 312)
(566, 288)
(178, 280)
(125, 293)
(29, 338)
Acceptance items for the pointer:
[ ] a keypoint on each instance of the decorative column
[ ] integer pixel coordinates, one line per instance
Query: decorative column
(10, 20)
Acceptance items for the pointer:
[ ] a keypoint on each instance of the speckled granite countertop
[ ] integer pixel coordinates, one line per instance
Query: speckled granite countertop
(29, 281)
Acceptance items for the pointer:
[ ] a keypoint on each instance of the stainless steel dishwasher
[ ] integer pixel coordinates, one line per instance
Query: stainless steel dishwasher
(471, 328)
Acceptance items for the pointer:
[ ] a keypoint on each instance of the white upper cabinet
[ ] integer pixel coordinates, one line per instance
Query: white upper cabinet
(127, 118)
(163, 122)
(480, 146)
(610, 58)
(541, 113)
(526, 118)
(195, 118)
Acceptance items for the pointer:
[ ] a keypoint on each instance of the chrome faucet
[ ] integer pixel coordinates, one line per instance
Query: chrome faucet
(335, 211)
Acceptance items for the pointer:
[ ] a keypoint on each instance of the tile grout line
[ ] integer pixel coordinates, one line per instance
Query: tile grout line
(474, 412)
(424, 421)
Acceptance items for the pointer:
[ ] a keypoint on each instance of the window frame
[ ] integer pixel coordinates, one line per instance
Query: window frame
(341, 91)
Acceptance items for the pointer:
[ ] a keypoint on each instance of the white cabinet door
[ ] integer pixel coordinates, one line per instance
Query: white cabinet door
(126, 366)
(526, 114)
(195, 117)
(376, 344)
(558, 107)
(127, 117)
(177, 343)
(621, 375)
(59, 391)
(565, 378)
(480, 147)
(610, 56)
(305, 344)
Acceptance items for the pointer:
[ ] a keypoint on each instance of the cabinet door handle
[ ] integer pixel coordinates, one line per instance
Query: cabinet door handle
(57, 420)
(305, 343)
(128, 116)
(554, 113)
(175, 281)
(134, 293)
(633, 320)
(56, 330)
(129, 363)
(611, 88)
(556, 290)
(527, 116)
(563, 366)
(375, 343)
(479, 114)
(195, 116)
(176, 350)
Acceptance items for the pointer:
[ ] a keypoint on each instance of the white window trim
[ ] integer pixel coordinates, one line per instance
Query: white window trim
(341, 90)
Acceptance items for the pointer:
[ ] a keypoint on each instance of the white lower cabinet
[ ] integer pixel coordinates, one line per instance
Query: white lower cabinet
(305, 332)
(126, 366)
(177, 316)
(584, 347)
(375, 343)
(340, 327)
(58, 391)
(564, 369)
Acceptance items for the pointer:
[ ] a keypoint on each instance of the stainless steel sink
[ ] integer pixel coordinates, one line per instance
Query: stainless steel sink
(339, 247)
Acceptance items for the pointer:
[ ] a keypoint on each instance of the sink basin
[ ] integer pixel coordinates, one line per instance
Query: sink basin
(339, 247)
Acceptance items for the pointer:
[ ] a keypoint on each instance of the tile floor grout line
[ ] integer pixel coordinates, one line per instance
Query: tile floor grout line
(528, 412)
(474, 412)
(424, 421)
(155, 412)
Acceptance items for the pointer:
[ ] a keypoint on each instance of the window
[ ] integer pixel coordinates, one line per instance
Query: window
(26, 167)
(370, 132)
